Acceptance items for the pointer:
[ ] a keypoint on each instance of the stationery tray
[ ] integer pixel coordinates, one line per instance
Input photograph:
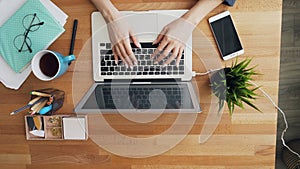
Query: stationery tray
(56, 127)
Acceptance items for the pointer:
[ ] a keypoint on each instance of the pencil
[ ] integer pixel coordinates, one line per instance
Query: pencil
(36, 108)
(40, 94)
(30, 103)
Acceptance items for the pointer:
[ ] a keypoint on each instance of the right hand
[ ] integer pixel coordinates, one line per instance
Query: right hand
(120, 33)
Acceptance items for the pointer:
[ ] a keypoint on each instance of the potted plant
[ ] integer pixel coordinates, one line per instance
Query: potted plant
(232, 84)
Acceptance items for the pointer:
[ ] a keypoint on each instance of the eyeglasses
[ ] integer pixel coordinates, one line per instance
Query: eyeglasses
(30, 23)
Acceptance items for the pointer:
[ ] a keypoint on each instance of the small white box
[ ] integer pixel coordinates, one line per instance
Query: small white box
(75, 128)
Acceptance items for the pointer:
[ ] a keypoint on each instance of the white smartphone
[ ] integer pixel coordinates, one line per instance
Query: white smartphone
(226, 36)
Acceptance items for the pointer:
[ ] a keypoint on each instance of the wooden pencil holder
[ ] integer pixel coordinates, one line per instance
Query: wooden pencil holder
(55, 98)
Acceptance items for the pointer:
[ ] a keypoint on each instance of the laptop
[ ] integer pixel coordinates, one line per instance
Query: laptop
(147, 87)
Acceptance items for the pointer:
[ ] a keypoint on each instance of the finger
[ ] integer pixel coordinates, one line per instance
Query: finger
(134, 40)
(160, 36)
(172, 57)
(130, 53)
(125, 56)
(116, 57)
(120, 55)
(159, 49)
(179, 56)
(158, 39)
(165, 53)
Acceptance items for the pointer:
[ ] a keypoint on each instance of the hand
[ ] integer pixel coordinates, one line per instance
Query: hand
(172, 39)
(120, 34)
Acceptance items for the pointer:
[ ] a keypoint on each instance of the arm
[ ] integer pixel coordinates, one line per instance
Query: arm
(174, 35)
(107, 9)
(120, 32)
(200, 10)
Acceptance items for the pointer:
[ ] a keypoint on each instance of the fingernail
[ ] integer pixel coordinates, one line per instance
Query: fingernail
(140, 46)
(116, 62)
(135, 63)
(126, 66)
(131, 67)
(155, 62)
(164, 65)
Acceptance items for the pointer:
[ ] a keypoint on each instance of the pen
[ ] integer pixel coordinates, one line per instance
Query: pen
(32, 102)
(40, 94)
(73, 36)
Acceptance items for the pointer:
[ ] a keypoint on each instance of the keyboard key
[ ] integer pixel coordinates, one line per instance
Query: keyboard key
(140, 68)
(181, 62)
(144, 51)
(108, 45)
(104, 69)
(147, 57)
(109, 63)
(103, 63)
(103, 52)
(150, 51)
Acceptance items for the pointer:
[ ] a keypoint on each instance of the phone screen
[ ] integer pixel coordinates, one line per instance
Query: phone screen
(226, 36)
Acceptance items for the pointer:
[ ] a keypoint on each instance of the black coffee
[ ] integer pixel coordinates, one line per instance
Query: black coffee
(49, 64)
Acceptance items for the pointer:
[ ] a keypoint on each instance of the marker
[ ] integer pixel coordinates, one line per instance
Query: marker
(40, 94)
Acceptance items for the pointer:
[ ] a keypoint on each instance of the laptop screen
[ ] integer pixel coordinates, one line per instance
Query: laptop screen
(139, 96)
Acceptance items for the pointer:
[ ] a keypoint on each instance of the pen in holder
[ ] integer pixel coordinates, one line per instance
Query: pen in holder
(46, 101)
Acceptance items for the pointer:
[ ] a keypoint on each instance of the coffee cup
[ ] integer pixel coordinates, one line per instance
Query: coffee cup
(48, 65)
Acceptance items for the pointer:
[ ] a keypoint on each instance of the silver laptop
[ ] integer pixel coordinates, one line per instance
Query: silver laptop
(147, 87)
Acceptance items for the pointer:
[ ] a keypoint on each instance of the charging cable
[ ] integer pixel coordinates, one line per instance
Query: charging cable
(273, 103)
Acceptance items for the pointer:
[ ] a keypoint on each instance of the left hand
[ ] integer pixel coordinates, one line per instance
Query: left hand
(172, 39)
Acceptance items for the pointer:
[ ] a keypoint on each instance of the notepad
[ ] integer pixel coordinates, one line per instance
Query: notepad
(23, 35)
(74, 128)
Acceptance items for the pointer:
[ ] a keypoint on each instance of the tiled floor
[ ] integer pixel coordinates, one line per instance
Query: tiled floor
(289, 86)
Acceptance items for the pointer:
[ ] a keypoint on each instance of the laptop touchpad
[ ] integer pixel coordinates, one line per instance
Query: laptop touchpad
(144, 25)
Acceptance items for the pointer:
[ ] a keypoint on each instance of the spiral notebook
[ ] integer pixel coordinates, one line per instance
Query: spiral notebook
(29, 30)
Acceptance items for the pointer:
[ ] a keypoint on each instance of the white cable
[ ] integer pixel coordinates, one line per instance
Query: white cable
(274, 104)
(284, 118)
(208, 72)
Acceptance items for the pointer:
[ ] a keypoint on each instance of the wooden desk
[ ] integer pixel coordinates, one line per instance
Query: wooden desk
(247, 140)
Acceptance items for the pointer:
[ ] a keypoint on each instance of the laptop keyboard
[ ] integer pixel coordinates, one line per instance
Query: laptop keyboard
(142, 97)
(145, 65)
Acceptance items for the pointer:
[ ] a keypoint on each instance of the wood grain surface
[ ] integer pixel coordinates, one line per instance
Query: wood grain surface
(245, 140)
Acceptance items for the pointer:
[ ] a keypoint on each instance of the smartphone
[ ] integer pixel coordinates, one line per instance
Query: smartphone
(226, 36)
